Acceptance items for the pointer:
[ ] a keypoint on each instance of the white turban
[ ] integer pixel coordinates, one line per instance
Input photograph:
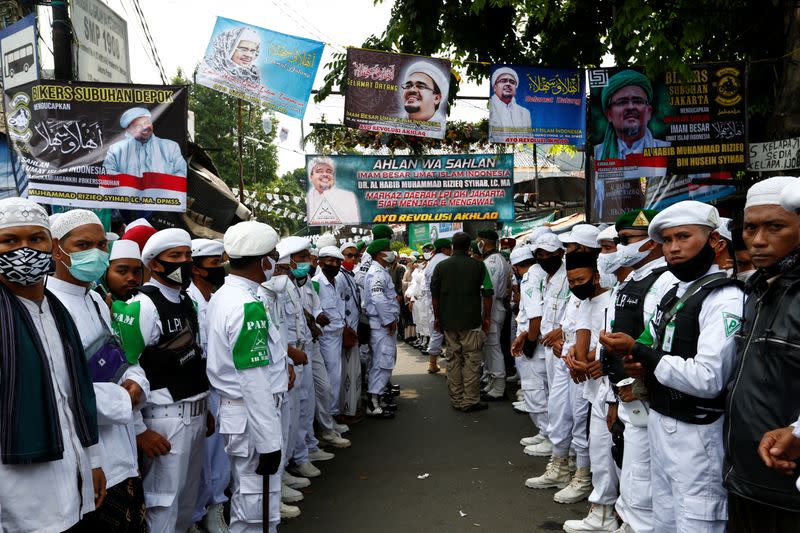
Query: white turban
(206, 248)
(436, 74)
(132, 114)
(504, 70)
(22, 212)
(686, 213)
(249, 239)
(768, 192)
(163, 240)
(724, 229)
(520, 254)
(125, 249)
(70, 220)
(326, 239)
(331, 251)
(292, 245)
(790, 196)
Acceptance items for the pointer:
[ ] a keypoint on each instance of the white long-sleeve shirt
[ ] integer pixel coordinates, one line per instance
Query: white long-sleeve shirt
(380, 298)
(331, 302)
(50, 497)
(115, 414)
(202, 304)
(238, 343)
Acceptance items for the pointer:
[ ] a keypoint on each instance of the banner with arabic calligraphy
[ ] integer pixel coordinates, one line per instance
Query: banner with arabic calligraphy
(261, 66)
(396, 93)
(537, 105)
(653, 139)
(100, 145)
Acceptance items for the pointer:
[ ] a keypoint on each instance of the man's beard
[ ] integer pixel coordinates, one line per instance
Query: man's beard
(412, 108)
(632, 131)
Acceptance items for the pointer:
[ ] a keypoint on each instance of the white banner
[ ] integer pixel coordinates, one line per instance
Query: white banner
(101, 39)
(775, 155)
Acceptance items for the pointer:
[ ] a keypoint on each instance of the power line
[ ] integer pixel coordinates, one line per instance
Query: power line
(310, 28)
(149, 38)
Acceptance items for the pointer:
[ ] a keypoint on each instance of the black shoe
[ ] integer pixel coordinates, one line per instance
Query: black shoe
(480, 406)
(490, 398)
(388, 404)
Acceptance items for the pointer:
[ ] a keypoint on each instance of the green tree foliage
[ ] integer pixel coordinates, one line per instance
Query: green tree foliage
(654, 34)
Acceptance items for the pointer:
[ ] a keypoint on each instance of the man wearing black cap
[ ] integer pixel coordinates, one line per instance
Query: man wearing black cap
(500, 272)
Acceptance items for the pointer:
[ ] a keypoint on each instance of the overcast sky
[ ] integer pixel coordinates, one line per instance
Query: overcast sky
(181, 30)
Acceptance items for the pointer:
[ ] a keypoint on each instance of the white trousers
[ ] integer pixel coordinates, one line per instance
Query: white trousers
(580, 415)
(322, 387)
(290, 424)
(350, 391)
(330, 346)
(492, 353)
(384, 356)
(605, 481)
(635, 504)
(171, 481)
(216, 473)
(533, 380)
(686, 468)
(305, 404)
(559, 408)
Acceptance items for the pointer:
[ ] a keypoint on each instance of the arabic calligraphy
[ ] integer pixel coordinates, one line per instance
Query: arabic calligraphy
(728, 130)
(376, 72)
(69, 137)
(555, 85)
(294, 55)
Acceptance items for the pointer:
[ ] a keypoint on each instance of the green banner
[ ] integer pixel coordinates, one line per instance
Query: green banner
(515, 228)
(355, 189)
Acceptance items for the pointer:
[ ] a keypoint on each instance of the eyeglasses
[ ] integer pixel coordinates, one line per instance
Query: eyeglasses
(504, 81)
(627, 239)
(634, 101)
(420, 86)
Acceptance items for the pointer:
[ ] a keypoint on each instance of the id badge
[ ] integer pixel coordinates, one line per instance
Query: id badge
(669, 332)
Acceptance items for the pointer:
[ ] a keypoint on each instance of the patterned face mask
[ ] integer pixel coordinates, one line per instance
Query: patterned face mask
(25, 266)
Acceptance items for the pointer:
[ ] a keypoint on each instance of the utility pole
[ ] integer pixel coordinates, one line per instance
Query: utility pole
(62, 40)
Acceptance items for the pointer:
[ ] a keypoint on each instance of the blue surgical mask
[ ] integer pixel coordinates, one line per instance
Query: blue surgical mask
(88, 265)
(302, 270)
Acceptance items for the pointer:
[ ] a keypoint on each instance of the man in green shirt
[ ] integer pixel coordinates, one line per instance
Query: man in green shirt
(457, 287)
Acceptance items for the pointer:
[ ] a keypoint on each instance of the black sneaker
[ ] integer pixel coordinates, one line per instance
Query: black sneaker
(480, 406)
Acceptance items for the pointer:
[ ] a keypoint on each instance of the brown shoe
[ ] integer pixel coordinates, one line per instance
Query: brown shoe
(433, 368)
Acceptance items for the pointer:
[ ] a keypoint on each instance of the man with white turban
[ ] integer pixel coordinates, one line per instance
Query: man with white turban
(247, 367)
(504, 111)
(424, 93)
(328, 204)
(159, 328)
(232, 56)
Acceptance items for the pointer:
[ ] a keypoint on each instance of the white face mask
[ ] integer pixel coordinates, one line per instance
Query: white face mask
(427, 256)
(631, 254)
(277, 284)
(390, 256)
(268, 272)
(607, 265)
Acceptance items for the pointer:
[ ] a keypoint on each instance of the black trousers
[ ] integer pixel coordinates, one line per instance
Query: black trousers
(122, 511)
(747, 516)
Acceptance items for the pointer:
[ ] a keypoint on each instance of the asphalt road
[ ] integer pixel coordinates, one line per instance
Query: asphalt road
(473, 461)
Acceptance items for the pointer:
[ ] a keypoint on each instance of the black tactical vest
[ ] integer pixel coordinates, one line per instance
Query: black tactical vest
(666, 400)
(176, 361)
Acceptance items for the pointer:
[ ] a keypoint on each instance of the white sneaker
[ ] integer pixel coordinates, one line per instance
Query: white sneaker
(555, 475)
(289, 511)
(289, 495)
(600, 518)
(341, 429)
(543, 449)
(531, 441)
(214, 520)
(332, 438)
(295, 482)
(578, 489)
(306, 470)
(320, 455)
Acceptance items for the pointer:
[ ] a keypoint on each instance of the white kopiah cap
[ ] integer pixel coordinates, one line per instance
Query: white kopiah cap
(22, 212)
(331, 251)
(520, 254)
(292, 245)
(790, 196)
(206, 248)
(608, 234)
(548, 242)
(686, 213)
(163, 240)
(768, 192)
(584, 234)
(249, 239)
(124, 249)
(70, 220)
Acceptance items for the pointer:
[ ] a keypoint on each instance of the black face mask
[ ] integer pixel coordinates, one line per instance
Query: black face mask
(696, 266)
(330, 270)
(517, 276)
(312, 271)
(583, 291)
(176, 273)
(551, 264)
(215, 276)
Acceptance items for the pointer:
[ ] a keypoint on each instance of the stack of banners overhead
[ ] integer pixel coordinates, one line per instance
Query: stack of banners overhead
(396, 93)
(261, 66)
(355, 189)
(537, 105)
(650, 138)
(100, 145)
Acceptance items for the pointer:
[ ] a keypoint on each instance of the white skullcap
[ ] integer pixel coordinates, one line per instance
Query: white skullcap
(292, 245)
(584, 234)
(537, 232)
(206, 248)
(768, 192)
(520, 254)
(125, 249)
(504, 70)
(163, 240)
(132, 114)
(436, 74)
(53, 218)
(22, 212)
(111, 236)
(314, 251)
(346, 245)
(724, 228)
(249, 239)
(790, 196)
(686, 213)
(137, 222)
(331, 251)
(607, 234)
(326, 239)
(70, 220)
(548, 242)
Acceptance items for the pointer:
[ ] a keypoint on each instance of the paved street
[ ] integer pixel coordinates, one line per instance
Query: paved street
(474, 463)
